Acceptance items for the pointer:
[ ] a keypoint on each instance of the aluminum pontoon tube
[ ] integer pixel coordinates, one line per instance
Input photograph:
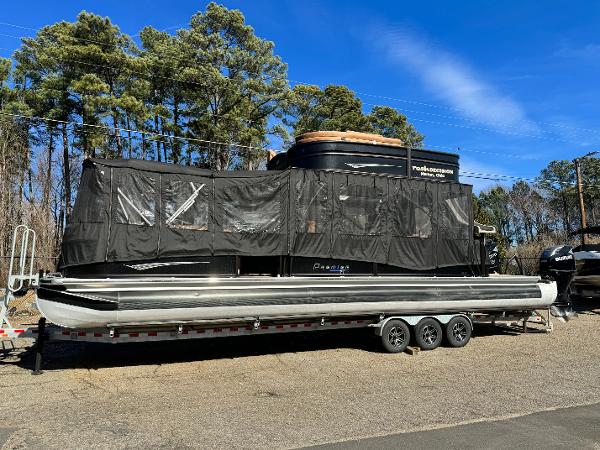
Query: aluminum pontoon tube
(77, 303)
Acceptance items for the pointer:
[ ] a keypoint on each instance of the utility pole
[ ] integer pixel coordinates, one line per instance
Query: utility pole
(581, 203)
(577, 162)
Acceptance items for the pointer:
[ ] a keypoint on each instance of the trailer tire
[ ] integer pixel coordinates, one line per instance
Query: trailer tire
(395, 336)
(458, 331)
(428, 334)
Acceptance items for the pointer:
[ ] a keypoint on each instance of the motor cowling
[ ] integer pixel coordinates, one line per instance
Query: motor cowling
(493, 256)
(558, 263)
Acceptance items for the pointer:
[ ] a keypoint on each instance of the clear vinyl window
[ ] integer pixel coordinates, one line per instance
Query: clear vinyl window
(312, 212)
(412, 213)
(185, 204)
(361, 209)
(455, 216)
(252, 208)
(135, 200)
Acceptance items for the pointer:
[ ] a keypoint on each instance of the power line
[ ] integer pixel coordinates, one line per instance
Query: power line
(126, 130)
(150, 142)
(466, 174)
(414, 102)
(474, 113)
(458, 148)
(18, 26)
(307, 84)
(491, 130)
(221, 143)
(454, 117)
(430, 105)
(500, 177)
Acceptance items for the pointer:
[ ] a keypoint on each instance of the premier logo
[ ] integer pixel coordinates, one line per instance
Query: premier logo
(332, 268)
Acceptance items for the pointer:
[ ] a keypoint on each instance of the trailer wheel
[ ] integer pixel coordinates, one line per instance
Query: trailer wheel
(458, 331)
(428, 334)
(395, 336)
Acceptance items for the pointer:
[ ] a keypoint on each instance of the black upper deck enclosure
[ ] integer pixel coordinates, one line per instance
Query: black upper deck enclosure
(366, 157)
(149, 217)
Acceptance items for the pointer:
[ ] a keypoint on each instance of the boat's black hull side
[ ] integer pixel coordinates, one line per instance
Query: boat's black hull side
(230, 266)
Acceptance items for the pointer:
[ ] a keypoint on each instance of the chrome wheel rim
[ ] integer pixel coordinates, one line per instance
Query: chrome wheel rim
(429, 334)
(459, 332)
(396, 336)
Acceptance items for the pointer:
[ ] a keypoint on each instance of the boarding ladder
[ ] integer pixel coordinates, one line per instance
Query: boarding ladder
(20, 268)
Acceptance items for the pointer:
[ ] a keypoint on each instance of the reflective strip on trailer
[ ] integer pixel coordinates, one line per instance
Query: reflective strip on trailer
(157, 334)
(15, 333)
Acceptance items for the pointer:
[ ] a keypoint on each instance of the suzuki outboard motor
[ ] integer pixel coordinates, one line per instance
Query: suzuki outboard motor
(558, 263)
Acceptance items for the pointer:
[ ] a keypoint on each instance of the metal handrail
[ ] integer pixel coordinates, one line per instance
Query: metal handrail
(20, 277)
(16, 281)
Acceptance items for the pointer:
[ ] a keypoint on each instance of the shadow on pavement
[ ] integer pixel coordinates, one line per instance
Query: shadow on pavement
(587, 305)
(66, 354)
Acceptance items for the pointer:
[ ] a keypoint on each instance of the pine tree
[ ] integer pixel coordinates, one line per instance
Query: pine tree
(235, 83)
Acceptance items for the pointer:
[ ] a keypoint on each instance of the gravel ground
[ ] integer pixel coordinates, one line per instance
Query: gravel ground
(288, 390)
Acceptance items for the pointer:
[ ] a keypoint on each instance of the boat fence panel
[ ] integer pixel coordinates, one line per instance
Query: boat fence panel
(412, 223)
(185, 212)
(86, 233)
(455, 230)
(311, 213)
(139, 210)
(396, 221)
(359, 217)
(134, 203)
(251, 214)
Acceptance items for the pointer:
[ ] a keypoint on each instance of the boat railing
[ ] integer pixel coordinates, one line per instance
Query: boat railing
(20, 267)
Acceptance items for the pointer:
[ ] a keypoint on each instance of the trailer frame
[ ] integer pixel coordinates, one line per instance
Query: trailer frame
(43, 333)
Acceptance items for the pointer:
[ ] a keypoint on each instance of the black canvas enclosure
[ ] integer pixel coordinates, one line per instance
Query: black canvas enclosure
(129, 210)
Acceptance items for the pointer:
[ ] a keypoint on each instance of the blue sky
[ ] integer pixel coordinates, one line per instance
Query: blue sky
(513, 84)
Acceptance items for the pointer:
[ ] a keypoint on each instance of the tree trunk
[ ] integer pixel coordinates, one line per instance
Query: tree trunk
(48, 183)
(157, 142)
(117, 134)
(164, 143)
(129, 136)
(30, 185)
(143, 145)
(176, 148)
(567, 223)
(66, 172)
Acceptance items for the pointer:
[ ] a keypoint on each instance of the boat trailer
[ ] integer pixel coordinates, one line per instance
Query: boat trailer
(392, 329)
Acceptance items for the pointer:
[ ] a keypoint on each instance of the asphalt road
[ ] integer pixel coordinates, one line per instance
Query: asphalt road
(297, 390)
(567, 428)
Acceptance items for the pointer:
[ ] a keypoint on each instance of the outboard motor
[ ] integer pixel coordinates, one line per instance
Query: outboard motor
(493, 256)
(558, 263)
